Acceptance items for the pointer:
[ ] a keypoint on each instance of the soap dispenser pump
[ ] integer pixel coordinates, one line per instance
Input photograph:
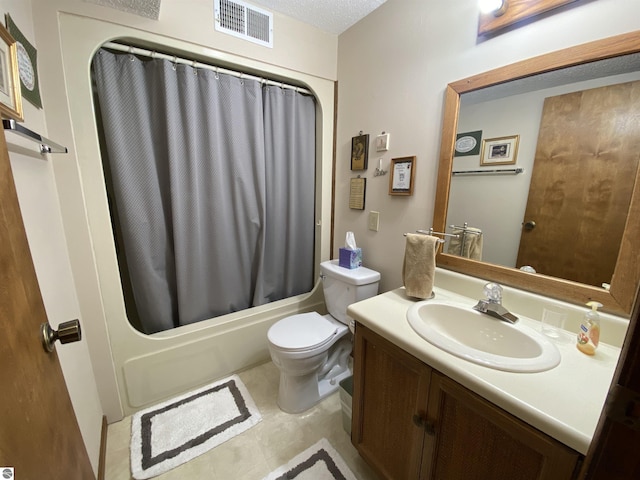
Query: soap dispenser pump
(589, 334)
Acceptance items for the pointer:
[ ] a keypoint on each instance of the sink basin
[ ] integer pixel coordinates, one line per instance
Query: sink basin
(482, 339)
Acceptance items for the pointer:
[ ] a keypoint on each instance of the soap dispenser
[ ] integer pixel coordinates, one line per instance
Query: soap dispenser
(589, 334)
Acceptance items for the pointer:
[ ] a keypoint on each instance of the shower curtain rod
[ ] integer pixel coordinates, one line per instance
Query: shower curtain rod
(175, 59)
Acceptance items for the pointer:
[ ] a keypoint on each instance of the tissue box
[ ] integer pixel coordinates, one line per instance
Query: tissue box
(349, 258)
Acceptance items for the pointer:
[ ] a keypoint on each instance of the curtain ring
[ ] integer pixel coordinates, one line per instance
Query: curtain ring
(195, 67)
(241, 79)
(175, 63)
(131, 57)
(217, 76)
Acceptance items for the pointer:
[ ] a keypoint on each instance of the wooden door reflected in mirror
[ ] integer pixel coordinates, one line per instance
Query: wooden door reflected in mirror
(581, 184)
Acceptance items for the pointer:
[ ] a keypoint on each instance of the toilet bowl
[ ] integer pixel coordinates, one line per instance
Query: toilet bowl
(312, 351)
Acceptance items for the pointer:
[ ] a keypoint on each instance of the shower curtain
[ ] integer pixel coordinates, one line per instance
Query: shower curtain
(213, 186)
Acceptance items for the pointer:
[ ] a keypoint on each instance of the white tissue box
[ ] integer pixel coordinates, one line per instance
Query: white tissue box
(349, 258)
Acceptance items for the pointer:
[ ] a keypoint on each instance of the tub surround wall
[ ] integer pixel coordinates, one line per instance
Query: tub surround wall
(69, 33)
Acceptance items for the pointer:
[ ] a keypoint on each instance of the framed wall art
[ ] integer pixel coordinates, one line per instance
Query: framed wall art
(27, 64)
(402, 174)
(357, 193)
(468, 144)
(499, 151)
(360, 152)
(10, 96)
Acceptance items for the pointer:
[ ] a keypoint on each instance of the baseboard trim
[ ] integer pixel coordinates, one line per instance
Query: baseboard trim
(103, 449)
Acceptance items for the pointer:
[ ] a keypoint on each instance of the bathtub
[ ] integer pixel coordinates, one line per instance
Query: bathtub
(152, 368)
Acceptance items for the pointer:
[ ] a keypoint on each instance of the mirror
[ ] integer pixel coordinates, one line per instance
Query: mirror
(619, 297)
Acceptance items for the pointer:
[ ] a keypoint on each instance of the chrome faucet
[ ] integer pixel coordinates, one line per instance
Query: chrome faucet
(492, 305)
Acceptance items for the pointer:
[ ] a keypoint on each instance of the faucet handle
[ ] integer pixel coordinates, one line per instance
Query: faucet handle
(493, 292)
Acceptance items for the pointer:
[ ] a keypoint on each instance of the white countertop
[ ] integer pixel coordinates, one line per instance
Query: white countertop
(564, 402)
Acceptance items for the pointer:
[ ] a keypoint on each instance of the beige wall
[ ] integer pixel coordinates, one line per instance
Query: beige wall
(64, 33)
(393, 67)
(38, 196)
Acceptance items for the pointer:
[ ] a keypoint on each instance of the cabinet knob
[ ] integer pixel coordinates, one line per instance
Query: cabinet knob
(420, 421)
(429, 428)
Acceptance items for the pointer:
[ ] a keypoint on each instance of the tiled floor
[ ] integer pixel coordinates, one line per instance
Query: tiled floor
(261, 449)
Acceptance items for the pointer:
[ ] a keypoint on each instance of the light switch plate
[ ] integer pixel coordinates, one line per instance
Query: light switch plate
(382, 142)
(374, 221)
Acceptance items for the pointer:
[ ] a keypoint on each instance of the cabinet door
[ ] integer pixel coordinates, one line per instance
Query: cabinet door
(389, 406)
(475, 440)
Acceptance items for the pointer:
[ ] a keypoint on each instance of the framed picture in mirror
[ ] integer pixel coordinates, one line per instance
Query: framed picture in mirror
(468, 144)
(499, 151)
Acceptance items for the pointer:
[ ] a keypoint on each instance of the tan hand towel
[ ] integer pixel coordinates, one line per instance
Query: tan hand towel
(472, 243)
(473, 247)
(418, 269)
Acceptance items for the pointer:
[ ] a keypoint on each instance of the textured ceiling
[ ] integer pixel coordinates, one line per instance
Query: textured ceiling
(144, 8)
(334, 16)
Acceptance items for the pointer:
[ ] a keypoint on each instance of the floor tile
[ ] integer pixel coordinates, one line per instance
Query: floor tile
(254, 453)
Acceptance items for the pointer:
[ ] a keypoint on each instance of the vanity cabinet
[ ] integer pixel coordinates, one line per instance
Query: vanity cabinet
(411, 422)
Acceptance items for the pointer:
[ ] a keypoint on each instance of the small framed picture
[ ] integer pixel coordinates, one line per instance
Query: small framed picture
(499, 151)
(468, 143)
(27, 64)
(402, 174)
(357, 193)
(360, 152)
(10, 96)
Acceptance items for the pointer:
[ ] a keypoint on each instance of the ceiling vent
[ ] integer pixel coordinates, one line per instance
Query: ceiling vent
(242, 20)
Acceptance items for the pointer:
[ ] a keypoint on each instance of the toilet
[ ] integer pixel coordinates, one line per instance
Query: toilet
(311, 350)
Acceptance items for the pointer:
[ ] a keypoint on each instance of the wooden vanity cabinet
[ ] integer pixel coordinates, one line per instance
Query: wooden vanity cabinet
(411, 422)
(390, 389)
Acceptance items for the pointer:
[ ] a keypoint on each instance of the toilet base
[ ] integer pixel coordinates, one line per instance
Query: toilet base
(328, 386)
(299, 393)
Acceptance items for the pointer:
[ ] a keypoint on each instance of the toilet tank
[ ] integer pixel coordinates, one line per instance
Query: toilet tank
(344, 286)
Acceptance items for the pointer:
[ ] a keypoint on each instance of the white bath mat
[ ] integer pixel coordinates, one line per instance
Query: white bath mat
(318, 462)
(180, 429)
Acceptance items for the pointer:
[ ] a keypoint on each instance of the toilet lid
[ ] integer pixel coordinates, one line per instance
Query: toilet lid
(301, 332)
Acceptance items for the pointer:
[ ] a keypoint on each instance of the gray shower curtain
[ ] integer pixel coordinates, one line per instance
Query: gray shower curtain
(213, 187)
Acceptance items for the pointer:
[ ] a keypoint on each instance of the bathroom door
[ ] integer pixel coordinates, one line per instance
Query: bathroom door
(613, 453)
(40, 437)
(586, 163)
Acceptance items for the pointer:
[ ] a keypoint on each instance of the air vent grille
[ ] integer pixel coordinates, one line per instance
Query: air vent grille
(242, 20)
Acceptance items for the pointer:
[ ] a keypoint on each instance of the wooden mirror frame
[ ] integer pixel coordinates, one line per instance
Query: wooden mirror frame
(626, 277)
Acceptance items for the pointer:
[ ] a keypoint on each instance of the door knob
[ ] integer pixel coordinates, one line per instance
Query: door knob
(530, 225)
(67, 332)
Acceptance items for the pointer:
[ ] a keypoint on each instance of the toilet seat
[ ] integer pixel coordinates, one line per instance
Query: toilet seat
(305, 331)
